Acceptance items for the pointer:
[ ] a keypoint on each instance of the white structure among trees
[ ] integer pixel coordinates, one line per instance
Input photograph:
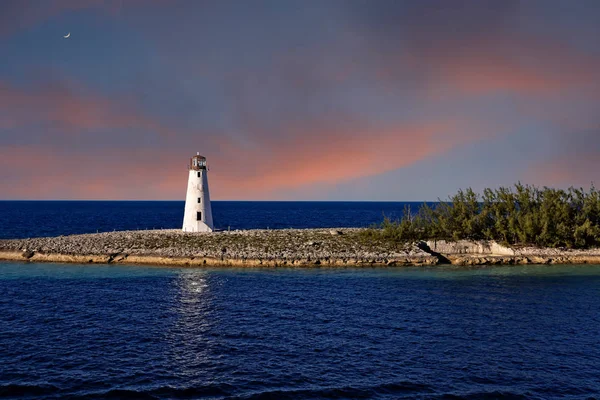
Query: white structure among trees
(198, 214)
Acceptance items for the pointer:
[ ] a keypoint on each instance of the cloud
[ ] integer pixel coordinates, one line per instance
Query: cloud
(63, 107)
(285, 95)
(572, 169)
(574, 160)
(471, 48)
(332, 154)
(34, 172)
(312, 158)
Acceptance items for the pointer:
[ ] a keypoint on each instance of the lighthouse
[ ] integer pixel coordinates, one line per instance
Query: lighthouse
(198, 214)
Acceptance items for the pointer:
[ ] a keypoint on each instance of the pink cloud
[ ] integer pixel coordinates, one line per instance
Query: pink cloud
(473, 66)
(571, 169)
(318, 157)
(67, 107)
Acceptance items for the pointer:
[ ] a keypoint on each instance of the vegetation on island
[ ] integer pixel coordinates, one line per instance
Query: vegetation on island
(523, 215)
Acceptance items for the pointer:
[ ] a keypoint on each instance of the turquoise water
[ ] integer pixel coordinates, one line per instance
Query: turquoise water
(81, 331)
(17, 270)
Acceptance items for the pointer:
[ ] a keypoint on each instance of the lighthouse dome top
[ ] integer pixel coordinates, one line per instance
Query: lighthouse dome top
(198, 162)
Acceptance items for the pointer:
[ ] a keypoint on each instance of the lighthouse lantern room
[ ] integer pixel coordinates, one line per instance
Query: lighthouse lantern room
(198, 213)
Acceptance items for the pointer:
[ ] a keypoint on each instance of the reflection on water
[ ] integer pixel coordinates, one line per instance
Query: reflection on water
(187, 338)
(191, 286)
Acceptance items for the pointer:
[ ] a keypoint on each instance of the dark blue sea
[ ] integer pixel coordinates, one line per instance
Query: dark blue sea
(22, 219)
(131, 332)
(126, 332)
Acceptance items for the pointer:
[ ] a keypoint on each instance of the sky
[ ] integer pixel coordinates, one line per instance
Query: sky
(366, 100)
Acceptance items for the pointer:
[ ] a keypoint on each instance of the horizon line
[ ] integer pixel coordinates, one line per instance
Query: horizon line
(240, 201)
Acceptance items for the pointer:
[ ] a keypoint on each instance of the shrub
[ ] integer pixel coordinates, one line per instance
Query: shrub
(525, 215)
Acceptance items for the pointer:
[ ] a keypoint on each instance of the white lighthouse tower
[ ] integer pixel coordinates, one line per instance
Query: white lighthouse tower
(198, 214)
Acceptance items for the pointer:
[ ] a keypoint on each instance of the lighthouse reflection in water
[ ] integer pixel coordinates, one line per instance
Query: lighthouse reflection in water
(193, 318)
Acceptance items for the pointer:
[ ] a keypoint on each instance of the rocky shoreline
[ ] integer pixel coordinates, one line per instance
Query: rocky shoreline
(275, 248)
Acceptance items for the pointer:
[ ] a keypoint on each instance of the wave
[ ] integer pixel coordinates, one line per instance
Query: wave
(219, 391)
(225, 391)
(396, 389)
(495, 395)
(15, 390)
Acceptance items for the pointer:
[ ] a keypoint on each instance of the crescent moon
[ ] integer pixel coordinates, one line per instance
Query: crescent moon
(68, 35)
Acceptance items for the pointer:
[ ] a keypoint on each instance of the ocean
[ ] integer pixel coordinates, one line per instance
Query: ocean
(23, 219)
(92, 332)
(143, 332)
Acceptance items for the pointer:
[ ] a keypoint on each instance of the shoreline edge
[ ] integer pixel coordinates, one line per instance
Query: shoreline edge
(336, 248)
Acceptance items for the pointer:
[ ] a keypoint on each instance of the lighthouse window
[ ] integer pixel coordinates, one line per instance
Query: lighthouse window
(199, 216)
(199, 200)
(198, 174)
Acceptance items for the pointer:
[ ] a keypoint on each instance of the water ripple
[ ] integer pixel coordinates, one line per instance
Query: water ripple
(142, 332)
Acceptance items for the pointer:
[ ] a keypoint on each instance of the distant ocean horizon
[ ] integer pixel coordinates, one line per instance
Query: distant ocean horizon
(37, 218)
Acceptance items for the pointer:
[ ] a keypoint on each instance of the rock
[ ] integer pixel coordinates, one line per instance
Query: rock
(468, 247)
(28, 254)
(278, 247)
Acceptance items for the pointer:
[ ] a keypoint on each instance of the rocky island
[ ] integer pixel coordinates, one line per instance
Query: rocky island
(347, 247)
